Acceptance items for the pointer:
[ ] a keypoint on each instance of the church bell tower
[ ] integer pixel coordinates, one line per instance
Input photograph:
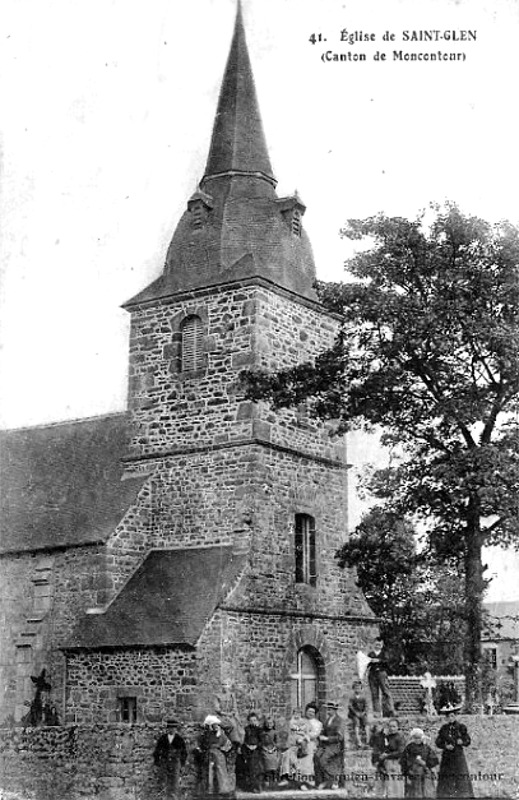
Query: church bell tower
(243, 508)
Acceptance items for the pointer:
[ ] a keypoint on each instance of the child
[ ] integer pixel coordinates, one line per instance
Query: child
(251, 754)
(358, 713)
(270, 752)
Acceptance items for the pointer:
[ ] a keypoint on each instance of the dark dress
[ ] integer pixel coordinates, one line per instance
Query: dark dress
(419, 778)
(377, 742)
(169, 758)
(216, 777)
(329, 757)
(252, 756)
(454, 778)
(389, 767)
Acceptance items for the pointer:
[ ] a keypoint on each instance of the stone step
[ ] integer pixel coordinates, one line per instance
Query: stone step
(359, 780)
(351, 790)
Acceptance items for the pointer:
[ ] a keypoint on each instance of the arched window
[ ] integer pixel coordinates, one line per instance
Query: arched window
(306, 571)
(192, 354)
(307, 680)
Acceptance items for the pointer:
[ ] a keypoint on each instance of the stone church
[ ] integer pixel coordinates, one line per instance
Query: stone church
(159, 560)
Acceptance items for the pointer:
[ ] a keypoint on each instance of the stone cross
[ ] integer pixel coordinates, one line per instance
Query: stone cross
(490, 703)
(429, 683)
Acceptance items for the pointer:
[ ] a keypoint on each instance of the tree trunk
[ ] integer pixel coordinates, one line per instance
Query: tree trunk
(474, 587)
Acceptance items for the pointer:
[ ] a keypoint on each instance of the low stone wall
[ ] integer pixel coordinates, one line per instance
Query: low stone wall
(114, 762)
(106, 762)
(492, 756)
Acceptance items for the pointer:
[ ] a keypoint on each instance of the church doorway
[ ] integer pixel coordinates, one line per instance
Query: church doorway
(307, 679)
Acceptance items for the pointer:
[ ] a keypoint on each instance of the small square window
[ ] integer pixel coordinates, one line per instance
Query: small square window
(127, 708)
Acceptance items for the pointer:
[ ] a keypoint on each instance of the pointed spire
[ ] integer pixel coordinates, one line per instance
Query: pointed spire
(238, 143)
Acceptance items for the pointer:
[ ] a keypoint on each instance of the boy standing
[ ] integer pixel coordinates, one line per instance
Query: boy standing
(358, 714)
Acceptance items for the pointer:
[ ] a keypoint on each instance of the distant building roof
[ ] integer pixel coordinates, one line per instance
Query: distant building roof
(501, 620)
(167, 601)
(62, 484)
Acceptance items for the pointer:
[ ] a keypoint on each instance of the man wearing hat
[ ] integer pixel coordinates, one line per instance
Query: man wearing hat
(170, 756)
(329, 757)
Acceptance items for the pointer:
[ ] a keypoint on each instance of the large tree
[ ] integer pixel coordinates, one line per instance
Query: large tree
(428, 352)
(416, 599)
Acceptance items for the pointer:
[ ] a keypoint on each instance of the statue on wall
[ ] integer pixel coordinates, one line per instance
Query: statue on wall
(35, 716)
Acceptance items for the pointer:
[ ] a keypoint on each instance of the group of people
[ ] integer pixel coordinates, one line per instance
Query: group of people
(307, 754)
(310, 754)
(406, 766)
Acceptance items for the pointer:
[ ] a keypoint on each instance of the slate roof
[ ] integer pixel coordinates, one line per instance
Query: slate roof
(167, 601)
(245, 233)
(61, 484)
(238, 141)
(503, 620)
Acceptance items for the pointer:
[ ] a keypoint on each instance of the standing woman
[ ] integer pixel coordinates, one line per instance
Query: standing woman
(389, 760)
(313, 729)
(418, 761)
(295, 740)
(454, 778)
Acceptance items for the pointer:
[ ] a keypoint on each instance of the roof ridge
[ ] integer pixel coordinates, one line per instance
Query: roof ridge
(57, 423)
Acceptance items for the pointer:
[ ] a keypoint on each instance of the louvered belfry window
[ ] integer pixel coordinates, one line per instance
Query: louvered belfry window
(296, 223)
(306, 571)
(192, 354)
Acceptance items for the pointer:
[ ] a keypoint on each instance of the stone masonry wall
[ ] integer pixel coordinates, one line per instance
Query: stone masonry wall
(259, 655)
(211, 487)
(247, 496)
(105, 762)
(249, 655)
(161, 679)
(244, 326)
(114, 762)
(289, 333)
(42, 595)
(289, 485)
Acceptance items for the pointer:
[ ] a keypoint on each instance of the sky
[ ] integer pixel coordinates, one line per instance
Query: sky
(106, 113)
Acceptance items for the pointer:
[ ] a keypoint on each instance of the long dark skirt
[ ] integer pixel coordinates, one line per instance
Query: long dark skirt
(253, 769)
(454, 778)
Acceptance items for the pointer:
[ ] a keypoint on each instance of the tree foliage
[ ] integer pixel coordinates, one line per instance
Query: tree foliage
(429, 352)
(418, 602)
